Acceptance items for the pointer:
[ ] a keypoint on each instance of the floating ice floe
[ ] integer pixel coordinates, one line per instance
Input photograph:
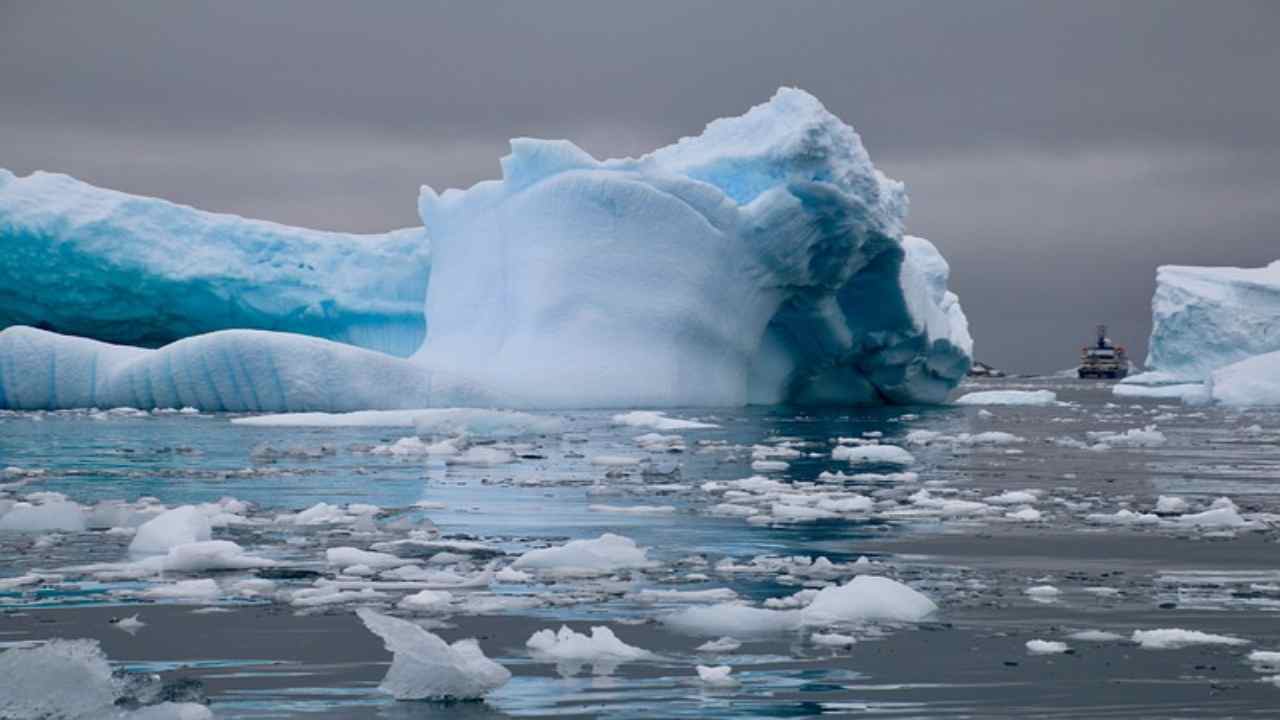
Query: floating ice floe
(1046, 647)
(1174, 638)
(59, 515)
(659, 421)
(570, 650)
(718, 675)
(424, 667)
(873, 455)
(179, 526)
(605, 554)
(723, 645)
(1095, 636)
(1009, 397)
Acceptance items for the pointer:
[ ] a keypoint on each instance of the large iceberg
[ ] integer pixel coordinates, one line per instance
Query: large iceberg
(762, 261)
(1214, 325)
(120, 268)
(1205, 318)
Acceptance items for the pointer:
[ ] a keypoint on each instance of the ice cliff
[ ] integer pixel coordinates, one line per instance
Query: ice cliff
(761, 261)
(1219, 326)
(120, 268)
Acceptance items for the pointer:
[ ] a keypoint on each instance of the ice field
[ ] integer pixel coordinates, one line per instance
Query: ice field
(1018, 555)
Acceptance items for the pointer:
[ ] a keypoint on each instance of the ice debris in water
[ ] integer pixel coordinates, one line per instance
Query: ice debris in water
(55, 514)
(179, 526)
(602, 555)
(659, 421)
(1173, 638)
(1009, 397)
(724, 644)
(72, 680)
(571, 650)
(1046, 647)
(717, 675)
(873, 455)
(424, 667)
(864, 599)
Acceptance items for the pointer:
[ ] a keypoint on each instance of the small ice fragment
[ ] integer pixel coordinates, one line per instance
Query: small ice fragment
(1173, 638)
(832, 639)
(1046, 647)
(716, 675)
(1095, 636)
(129, 624)
(724, 644)
(571, 650)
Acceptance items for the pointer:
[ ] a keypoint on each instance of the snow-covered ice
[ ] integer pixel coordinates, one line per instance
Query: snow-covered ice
(1046, 647)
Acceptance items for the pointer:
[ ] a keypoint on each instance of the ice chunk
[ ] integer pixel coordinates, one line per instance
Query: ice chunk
(1095, 636)
(1009, 397)
(868, 598)
(59, 679)
(141, 271)
(723, 645)
(1254, 381)
(1173, 638)
(1171, 505)
(179, 526)
(211, 555)
(424, 667)
(659, 421)
(570, 650)
(1046, 647)
(605, 554)
(72, 680)
(733, 619)
(427, 601)
(62, 515)
(347, 556)
(717, 675)
(873, 455)
(473, 422)
(202, 589)
(832, 639)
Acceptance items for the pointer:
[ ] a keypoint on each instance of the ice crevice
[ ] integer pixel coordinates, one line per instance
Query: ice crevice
(762, 261)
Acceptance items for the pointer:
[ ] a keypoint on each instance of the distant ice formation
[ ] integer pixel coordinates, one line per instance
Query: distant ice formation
(761, 262)
(1219, 326)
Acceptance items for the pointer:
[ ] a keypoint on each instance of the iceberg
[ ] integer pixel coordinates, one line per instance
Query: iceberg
(1215, 336)
(1205, 318)
(133, 270)
(762, 261)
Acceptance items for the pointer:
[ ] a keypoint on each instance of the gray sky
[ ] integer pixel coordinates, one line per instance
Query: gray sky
(1056, 152)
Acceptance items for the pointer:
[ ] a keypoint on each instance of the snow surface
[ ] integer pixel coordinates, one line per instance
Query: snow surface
(121, 268)
(570, 282)
(424, 667)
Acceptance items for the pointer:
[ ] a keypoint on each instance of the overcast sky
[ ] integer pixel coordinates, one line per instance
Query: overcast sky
(1056, 152)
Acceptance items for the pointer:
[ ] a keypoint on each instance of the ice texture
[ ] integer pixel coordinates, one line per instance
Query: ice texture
(762, 261)
(1205, 318)
(570, 650)
(1253, 381)
(72, 680)
(424, 667)
(135, 270)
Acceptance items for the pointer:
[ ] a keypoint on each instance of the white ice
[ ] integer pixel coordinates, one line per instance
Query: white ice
(571, 650)
(424, 667)
(1008, 397)
(570, 282)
